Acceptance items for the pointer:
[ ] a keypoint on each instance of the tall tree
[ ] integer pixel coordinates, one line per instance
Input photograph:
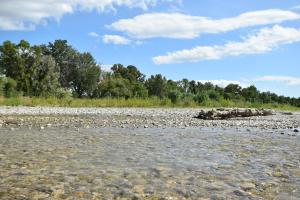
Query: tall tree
(67, 58)
(157, 86)
(87, 75)
(47, 75)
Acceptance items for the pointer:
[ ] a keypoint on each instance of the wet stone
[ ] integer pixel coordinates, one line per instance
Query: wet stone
(248, 186)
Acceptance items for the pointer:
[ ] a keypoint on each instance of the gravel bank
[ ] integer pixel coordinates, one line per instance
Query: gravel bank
(43, 117)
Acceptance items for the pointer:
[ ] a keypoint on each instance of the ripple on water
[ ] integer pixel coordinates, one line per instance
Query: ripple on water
(148, 163)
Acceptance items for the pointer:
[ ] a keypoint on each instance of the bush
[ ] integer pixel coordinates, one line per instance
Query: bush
(2, 82)
(213, 95)
(10, 88)
(62, 93)
(174, 96)
(201, 97)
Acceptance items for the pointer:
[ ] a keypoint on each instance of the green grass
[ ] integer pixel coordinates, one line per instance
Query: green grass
(145, 103)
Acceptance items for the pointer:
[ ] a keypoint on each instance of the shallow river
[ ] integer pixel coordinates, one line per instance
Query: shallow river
(148, 164)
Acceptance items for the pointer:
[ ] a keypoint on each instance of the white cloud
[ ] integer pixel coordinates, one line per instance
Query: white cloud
(263, 41)
(289, 80)
(93, 34)
(224, 83)
(115, 39)
(176, 25)
(296, 7)
(106, 68)
(26, 14)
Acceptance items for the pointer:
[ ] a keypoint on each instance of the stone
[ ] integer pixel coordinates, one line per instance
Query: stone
(247, 186)
(296, 131)
(239, 193)
(40, 195)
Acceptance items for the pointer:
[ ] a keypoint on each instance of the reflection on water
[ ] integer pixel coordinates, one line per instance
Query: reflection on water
(148, 164)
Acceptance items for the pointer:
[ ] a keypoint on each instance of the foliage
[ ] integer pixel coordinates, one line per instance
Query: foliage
(54, 73)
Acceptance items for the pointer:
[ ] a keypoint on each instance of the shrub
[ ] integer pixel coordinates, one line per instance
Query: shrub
(201, 97)
(62, 93)
(174, 96)
(10, 88)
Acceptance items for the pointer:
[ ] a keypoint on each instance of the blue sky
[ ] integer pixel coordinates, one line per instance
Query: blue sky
(246, 42)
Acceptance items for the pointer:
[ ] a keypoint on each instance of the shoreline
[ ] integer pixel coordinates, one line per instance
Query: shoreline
(46, 117)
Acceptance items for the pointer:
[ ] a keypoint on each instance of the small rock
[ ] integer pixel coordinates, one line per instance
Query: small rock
(145, 126)
(247, 186)
(42, 128)
(296, 131)
(239, 193)
(149, 190)
(40, 195)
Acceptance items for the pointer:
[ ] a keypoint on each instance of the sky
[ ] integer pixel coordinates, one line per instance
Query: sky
(248, 42)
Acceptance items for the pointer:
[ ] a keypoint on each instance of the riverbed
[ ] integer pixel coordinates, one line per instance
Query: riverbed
(148, 163)
(146, 153)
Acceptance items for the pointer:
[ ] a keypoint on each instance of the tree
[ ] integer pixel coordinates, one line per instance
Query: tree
(67, 59)
(47, 75)
(9, 59)
(232, 91)
(130, 72)
(156, 86)
(184, 85)
(112, 86)
(86, 76)
(250, 93)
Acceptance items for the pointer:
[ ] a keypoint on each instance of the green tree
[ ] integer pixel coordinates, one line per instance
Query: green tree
(157, 86)
(67, 59)
(87, 75)
(46, 78)
(250, 93)
(232, 91)
(9, 59)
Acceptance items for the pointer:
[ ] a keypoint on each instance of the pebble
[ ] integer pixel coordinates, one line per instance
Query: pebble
(247, 186)
(132, 118)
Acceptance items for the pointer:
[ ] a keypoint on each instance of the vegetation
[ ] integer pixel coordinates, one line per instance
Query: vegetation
(57, 74)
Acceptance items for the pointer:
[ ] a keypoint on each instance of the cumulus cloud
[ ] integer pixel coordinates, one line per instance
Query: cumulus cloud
(177, 25)
(26, 14)
(289, 80)
(115, 39)
(93, 34)
(263, 41)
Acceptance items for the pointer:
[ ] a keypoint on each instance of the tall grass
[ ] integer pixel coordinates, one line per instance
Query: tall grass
(133, 102)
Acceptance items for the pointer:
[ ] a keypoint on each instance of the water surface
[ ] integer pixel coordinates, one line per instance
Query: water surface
(151, 163)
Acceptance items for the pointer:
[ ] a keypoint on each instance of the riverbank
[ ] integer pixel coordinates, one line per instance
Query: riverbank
(46, 117)
(151, 102)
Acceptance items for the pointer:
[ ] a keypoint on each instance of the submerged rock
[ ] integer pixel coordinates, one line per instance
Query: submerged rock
(222, 113)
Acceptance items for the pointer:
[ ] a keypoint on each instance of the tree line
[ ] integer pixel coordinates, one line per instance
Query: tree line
(59, 70)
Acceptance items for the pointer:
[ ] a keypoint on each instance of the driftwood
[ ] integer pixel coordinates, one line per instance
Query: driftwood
(223, 113)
